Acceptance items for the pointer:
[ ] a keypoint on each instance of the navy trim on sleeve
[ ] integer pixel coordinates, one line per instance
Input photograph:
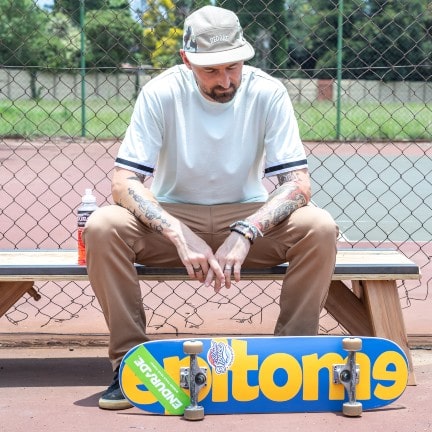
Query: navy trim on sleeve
(285, 166)
(134, 166)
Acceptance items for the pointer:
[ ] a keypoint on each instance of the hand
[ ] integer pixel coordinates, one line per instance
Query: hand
(230, 257)
(198, 257)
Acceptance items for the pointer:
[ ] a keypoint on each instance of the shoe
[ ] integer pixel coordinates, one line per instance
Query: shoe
(112, 398)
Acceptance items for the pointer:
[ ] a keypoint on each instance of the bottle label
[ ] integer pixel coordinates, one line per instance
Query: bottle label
(82, 217)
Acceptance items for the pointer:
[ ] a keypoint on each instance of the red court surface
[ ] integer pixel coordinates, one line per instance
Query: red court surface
(57, 389)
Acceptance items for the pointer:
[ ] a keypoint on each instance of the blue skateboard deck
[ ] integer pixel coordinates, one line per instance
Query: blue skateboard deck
(262, 374)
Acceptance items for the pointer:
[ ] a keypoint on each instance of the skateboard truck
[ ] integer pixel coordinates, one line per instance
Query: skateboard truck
(348, 375)
(193, 378)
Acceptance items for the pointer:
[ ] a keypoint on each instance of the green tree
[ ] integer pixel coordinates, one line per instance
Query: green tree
(22, 37)
(113, 38)
(264, 24)
(382, 39)
(62, 45)
(186, 7)
(163, 29)
(395, 41)
(71, 8)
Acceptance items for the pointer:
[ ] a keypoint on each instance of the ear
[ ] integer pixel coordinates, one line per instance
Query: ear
(185, 59)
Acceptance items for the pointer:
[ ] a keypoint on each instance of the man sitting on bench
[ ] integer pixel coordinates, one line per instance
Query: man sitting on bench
(210, 125)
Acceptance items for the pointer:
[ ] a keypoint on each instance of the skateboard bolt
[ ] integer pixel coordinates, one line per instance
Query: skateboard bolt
(345, 376)
(200, 379)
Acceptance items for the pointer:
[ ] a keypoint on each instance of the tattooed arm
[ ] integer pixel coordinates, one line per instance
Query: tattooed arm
(293, 192)
(129, 191)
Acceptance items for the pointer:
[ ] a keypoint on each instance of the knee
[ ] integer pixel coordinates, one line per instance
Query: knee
(325, 226)
(99, 225)
(319, 225)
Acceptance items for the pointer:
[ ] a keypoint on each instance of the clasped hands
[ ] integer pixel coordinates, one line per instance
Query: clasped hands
(219, 268)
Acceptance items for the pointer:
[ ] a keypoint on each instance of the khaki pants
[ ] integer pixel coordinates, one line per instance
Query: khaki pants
(115, 240)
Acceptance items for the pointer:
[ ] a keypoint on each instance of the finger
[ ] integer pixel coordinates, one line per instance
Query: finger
(209, 278)
(190, 271)
(227, 272)
(204, 268)
(237, 273)
(199, 272)
(216, 268)
(215, 273)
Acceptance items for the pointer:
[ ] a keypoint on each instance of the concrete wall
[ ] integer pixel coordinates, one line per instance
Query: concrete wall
(15, 85)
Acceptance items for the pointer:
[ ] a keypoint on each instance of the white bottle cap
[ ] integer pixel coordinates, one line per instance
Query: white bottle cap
(88, 197)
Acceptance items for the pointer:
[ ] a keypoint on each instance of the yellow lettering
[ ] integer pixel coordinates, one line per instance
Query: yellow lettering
(130, 383)
(266, 377)
(312, 366)
(363, 390)
(311, 369)
(398, 377)
(243, 363)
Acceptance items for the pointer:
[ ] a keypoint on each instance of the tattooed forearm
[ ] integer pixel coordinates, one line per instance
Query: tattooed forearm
(137, 177)
(150, 212)
(291, 176)
(284, 209)
(283, 201)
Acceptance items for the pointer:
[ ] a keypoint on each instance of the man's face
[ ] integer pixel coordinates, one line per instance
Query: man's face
(217, 83)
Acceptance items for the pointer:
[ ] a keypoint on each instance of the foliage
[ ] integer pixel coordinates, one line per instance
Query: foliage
(22, 36)
(264, 27)
(382, 39)
(113, 38)
(162, 38)
(71, 8)
(62, 48)
(163, 29)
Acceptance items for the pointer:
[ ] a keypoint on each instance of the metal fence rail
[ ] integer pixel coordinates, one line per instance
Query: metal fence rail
(359, 76)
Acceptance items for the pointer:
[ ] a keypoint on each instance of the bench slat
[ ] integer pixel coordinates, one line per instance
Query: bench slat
(351, 264)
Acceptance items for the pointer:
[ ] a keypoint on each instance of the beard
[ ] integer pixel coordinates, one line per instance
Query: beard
(220, 94)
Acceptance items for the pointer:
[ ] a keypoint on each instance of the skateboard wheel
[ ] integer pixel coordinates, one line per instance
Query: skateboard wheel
(352, 409)
(352, 344)
(194, 413)
(192, 347)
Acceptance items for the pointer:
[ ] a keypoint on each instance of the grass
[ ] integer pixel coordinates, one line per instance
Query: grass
(109, 119)
(31, 119)
(392, 121)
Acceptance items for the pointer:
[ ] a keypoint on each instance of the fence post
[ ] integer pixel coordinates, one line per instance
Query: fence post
(339, 68)
(82, 70)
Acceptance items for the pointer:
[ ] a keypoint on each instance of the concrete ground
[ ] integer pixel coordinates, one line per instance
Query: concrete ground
(57, 388)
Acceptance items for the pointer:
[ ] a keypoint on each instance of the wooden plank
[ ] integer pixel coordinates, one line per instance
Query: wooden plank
(351, 264)
(11, 293)
(347, 309)
(383, 304)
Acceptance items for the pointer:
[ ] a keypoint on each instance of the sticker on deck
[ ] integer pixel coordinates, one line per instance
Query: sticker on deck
(158, 382)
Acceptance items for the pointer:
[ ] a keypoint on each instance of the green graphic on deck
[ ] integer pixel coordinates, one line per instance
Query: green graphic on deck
(158, 382)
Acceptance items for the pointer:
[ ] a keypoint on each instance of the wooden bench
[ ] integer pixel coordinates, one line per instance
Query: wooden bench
(368, 306)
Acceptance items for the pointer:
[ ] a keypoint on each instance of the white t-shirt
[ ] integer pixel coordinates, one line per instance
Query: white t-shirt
(204, 152)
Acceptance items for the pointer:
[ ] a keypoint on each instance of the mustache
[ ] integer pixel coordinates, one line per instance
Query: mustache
(223, 89)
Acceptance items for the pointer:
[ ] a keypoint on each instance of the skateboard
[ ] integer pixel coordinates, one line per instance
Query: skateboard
(263, 375)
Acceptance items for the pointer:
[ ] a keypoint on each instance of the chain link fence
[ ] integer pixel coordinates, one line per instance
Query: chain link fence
(359, 74)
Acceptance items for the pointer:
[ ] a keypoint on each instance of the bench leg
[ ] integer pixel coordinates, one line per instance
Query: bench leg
(382, 301)
(11, 292)
(348, 310)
